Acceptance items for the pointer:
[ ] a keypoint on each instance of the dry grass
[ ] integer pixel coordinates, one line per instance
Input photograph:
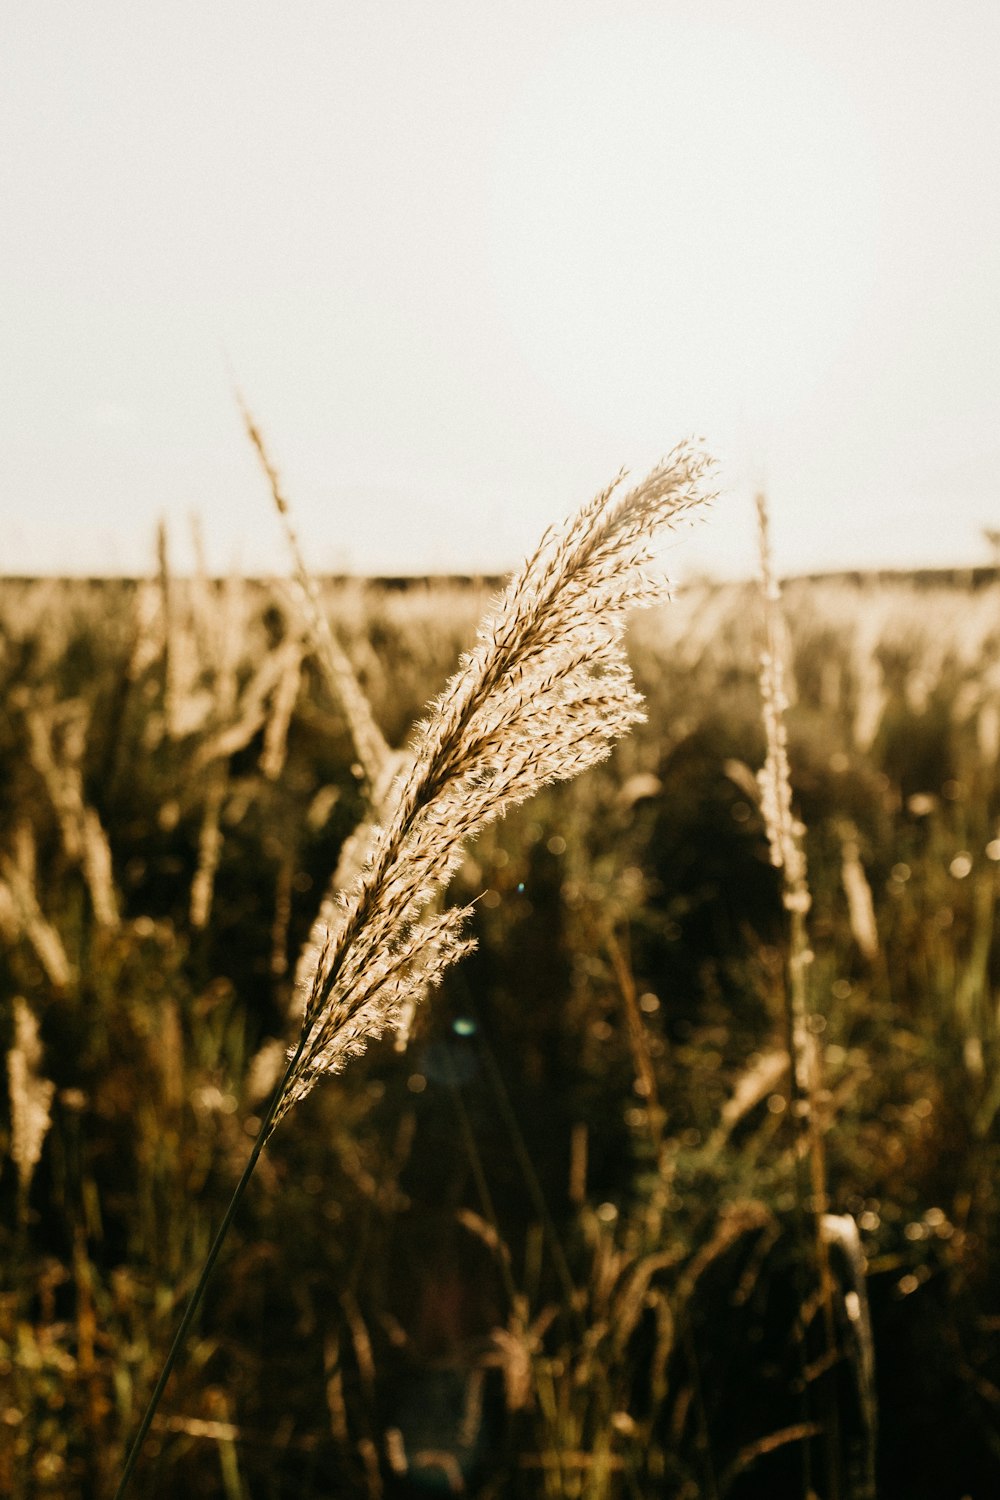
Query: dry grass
(609, 1235)
(542, 696)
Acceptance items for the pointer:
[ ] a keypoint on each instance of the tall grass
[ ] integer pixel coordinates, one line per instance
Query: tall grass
(551, 1247)
(542, 696)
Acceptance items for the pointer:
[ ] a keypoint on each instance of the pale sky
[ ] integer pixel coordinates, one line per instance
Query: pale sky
(466, 261)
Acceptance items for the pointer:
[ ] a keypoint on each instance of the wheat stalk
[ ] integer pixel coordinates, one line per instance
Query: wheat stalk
(542, 695)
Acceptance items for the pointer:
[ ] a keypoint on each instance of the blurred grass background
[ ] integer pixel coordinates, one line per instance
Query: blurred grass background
(554, 1246)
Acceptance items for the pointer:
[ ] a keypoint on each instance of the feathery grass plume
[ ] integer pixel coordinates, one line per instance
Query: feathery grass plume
(373, 752)
(542, 696)
(378, 762)
(785, 835)
(30, 1096)
(784, 831)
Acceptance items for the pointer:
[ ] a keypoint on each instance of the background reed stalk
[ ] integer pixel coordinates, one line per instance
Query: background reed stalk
(808, 1101)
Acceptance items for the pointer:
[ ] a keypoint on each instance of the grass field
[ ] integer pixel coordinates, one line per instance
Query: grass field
(578, 1234)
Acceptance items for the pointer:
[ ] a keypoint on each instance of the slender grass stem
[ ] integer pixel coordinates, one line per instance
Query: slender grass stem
(785, 835)
(797, 1105)
(194, 1301)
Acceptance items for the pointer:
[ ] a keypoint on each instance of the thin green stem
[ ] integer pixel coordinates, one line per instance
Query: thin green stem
(194, 1300)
